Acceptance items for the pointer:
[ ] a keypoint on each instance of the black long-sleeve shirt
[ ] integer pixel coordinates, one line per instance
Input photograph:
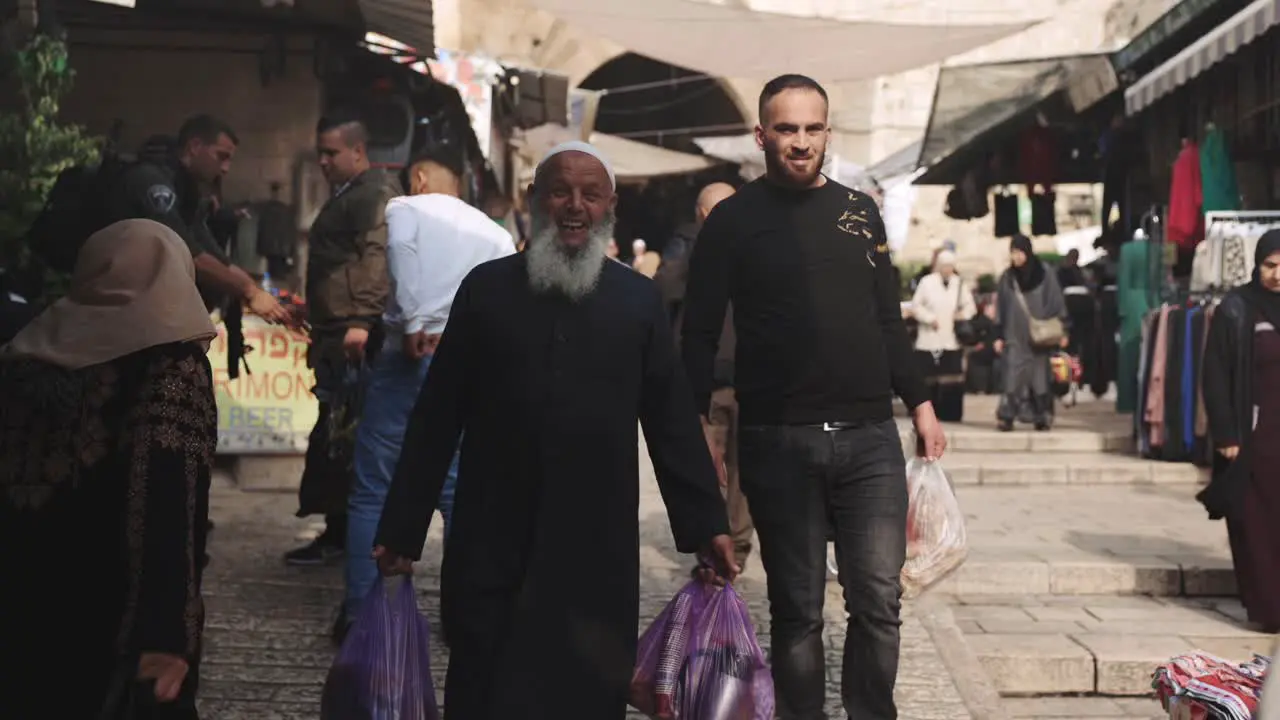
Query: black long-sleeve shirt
(820, 335)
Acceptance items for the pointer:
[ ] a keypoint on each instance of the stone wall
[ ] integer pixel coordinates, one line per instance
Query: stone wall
(152, 81)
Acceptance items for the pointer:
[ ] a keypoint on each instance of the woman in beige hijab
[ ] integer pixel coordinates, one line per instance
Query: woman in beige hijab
(107, 432)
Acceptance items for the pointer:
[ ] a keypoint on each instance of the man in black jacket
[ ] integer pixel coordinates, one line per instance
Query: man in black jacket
(821, 352)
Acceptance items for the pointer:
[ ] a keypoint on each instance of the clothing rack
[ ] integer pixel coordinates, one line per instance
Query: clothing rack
(1169, 421)
(1217, 260)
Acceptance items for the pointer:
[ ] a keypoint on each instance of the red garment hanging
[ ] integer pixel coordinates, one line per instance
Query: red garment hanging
(1186, 222)
(1038, 156)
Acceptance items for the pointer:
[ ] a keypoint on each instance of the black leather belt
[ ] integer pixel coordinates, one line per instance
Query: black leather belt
(835, 426)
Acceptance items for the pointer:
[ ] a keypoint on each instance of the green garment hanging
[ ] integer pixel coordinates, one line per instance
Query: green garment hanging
(1217, 173)
(1135, 297)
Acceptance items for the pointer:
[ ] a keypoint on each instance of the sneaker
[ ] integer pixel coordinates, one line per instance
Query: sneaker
(324, 550)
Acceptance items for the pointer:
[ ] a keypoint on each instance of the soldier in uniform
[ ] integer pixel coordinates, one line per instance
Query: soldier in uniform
(173, 185)
(347, 287)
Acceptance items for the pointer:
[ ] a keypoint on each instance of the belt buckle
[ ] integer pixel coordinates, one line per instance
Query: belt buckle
(829, 427)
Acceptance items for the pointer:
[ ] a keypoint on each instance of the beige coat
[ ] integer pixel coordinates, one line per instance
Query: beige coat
(936, 303)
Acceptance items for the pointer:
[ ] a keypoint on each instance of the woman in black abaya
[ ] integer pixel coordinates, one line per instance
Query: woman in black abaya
(1242, 400)
(1026, 291)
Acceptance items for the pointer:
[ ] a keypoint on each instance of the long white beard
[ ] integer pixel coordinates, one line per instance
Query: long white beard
(556, 268)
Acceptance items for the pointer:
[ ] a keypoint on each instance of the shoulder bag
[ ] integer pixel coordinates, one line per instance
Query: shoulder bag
(966, 335)
(1046, 333)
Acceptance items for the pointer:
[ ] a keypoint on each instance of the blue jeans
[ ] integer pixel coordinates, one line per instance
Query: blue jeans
(393, 386)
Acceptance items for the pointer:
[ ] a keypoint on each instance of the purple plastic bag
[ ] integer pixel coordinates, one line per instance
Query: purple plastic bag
(383, 671)
(700, 660)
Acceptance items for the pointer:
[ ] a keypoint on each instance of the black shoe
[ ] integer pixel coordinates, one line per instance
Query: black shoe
(1005, 426)
(1042, 426)
(341, 627)
(324, 550)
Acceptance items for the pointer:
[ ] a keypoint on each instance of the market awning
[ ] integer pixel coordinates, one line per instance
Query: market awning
(406, 21)
(975, 102)
(632, 160)
(897, 164)
(1222, 41)
(733, 40)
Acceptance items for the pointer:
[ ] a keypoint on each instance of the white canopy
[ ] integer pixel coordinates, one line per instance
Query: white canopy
(741, 40)
(632, 160)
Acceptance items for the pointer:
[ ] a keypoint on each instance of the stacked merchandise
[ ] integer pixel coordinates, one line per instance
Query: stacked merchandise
(1225, 259)
(1171, 423)
(1200, 686)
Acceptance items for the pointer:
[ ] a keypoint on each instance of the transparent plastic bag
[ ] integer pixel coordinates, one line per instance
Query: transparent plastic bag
(936, 541)
(383, 671)
(700, 660)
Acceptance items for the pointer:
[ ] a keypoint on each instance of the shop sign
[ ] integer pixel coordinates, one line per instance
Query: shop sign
(1178, 17)
(270, 411)
(473, 77)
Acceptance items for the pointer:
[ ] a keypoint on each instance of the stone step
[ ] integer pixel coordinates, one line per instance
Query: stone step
(1065, 468)
(966, 438)
(1102, 646)
(1058, 572)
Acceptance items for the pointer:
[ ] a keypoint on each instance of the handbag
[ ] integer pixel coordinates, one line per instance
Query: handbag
(966, 335)
(1046, 333)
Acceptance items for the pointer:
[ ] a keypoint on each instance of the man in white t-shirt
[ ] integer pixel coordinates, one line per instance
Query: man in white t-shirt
(434, 240)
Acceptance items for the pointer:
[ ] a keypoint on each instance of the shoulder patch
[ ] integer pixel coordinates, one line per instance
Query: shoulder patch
(160, 198)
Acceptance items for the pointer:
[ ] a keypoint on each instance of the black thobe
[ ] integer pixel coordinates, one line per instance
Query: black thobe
(540, 585)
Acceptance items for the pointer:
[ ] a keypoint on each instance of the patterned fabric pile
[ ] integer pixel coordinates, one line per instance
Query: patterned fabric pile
(1200, 686)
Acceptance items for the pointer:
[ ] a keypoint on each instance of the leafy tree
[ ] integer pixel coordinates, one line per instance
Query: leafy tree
(35, 146)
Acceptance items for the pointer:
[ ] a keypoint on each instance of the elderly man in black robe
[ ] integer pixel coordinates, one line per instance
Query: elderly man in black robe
(548, 360)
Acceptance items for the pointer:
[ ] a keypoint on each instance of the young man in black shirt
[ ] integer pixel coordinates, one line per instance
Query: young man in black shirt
(821, 352)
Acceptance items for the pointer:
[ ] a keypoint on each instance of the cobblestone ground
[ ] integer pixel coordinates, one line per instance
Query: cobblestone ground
(268, 649)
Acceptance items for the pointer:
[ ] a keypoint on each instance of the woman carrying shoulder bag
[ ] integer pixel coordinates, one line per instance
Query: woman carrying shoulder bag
(1032, 325)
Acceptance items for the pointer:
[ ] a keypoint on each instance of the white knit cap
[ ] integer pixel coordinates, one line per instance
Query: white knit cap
(946, 257)
(582, 147)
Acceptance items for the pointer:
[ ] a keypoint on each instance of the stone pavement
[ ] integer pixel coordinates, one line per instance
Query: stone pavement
(267, 646)
(1086, 590)
(1153, 539)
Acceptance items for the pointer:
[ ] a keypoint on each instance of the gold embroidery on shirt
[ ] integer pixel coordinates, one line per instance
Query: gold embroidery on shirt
(854, 220)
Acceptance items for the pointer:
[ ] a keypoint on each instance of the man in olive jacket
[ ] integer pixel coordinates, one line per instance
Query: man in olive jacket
(347, 286)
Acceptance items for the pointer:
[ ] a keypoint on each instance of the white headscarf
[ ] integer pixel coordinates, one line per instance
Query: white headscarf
(582, 147)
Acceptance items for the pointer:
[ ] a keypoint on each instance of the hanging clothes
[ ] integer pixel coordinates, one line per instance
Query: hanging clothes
(1134, 299)
(1154, 409)
(1006, 215)
(1194, 331)
(1044, 220)
(1185, 224)
(1219, 190)
(1039, 158)
(1174, 385)
(1118, 148)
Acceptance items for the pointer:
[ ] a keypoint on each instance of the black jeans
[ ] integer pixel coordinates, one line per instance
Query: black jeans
(800, 482)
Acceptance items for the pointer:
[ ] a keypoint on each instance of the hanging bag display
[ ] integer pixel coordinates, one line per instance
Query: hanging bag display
(1045, 333)
(966, 334)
